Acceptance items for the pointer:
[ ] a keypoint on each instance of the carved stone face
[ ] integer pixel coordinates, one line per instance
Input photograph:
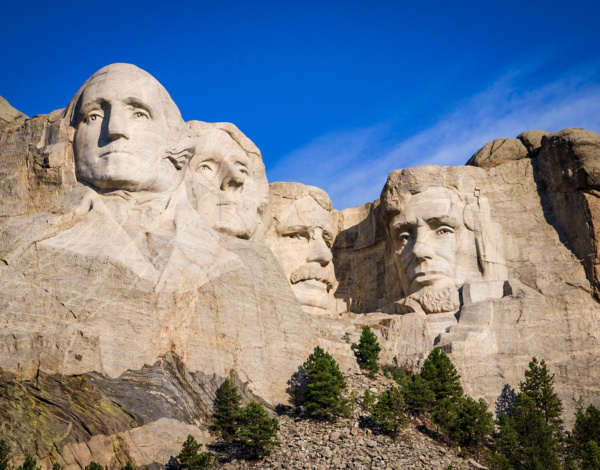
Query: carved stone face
(223, 187)
(302, 244)
(121, 135)
(433, 249)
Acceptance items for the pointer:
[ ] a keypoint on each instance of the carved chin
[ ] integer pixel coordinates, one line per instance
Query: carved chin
(312, 295)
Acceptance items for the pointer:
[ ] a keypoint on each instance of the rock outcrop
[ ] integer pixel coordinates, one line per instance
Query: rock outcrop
(9, 116)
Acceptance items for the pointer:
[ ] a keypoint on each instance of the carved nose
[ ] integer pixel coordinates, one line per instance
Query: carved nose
(116, 127)
(233, 178)
(318, 251)
(423, 250)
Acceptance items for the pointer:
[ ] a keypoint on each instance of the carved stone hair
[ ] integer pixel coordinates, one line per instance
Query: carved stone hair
(180, 143)
(295, 191)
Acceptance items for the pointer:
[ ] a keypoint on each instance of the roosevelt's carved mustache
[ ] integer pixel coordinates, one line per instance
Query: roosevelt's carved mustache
(314, 271)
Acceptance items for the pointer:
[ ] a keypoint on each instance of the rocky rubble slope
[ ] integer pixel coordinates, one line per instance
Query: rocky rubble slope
(349, 443)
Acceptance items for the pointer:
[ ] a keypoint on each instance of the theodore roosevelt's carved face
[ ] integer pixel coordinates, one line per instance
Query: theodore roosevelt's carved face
(302, 243)
(223, 185)
(121, 134)
(433, 249)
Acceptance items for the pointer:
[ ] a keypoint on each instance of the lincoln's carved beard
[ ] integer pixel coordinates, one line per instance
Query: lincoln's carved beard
(437, 300)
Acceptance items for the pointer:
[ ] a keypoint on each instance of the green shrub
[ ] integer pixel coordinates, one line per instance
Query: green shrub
(367, 350)
(190, 458)
(389, 410)
(257, 431)
(227, 405)
(325, 385)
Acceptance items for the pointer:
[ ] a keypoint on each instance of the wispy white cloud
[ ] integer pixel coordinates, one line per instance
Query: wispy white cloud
(352, 165)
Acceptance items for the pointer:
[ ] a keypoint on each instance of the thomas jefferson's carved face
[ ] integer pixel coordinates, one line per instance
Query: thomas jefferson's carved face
(121, 135)
(302, 244)
(223, 187)
(432, 247)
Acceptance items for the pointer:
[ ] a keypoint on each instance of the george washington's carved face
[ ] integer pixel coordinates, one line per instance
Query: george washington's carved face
(433, 249)
(121, 134)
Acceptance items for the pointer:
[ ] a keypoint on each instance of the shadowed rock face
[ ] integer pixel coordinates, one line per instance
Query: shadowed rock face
(302, 231)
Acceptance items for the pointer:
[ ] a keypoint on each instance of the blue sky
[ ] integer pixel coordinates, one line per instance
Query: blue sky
(335, 93)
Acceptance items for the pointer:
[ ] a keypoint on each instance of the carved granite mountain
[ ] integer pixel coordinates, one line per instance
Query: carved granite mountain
(108, 271)
(141, 265)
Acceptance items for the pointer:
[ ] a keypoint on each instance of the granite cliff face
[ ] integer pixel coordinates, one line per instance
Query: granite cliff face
(143, 260)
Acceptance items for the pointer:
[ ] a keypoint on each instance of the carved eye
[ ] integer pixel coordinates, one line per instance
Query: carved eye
(205, 167)
(444, 231)
(92, 116)
(403, 237)
(141, 115)
(303, 235)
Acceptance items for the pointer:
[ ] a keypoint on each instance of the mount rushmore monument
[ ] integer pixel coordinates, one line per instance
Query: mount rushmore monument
(144, 260)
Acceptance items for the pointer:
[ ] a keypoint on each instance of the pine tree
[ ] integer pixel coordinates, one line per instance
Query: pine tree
(190, 458)
(507, 443)
(93, 466)
(585, 429)
(30, 463)
(473, 421)
(257, 431)
(227, 405)
(128, 466)
(324, 385)
(539, 445)
(368, 400)
(441, 376)
(367, 350)
(539, 386)
(590, 458)
(389, 410)
(418, 397)
(5, 455)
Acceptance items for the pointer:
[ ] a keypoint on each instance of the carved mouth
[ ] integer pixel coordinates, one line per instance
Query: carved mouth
(314, 271)
(425, 278)
(109, 152)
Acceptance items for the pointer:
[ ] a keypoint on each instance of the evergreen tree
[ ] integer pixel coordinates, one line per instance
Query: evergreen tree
(539, 445)
(389, 410)
(190, 458)
(473, 421)
(30, 463)
(324, 385)
(257, 431)
(590, 458)
(93, 466)
(5, 455)
(57, 466)
(418, 397)
(128, 466)
(227, 405)
(539, 386)
(441, 376)
(368, 400)
(586, 429)
(367, 350)
(507, 443)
